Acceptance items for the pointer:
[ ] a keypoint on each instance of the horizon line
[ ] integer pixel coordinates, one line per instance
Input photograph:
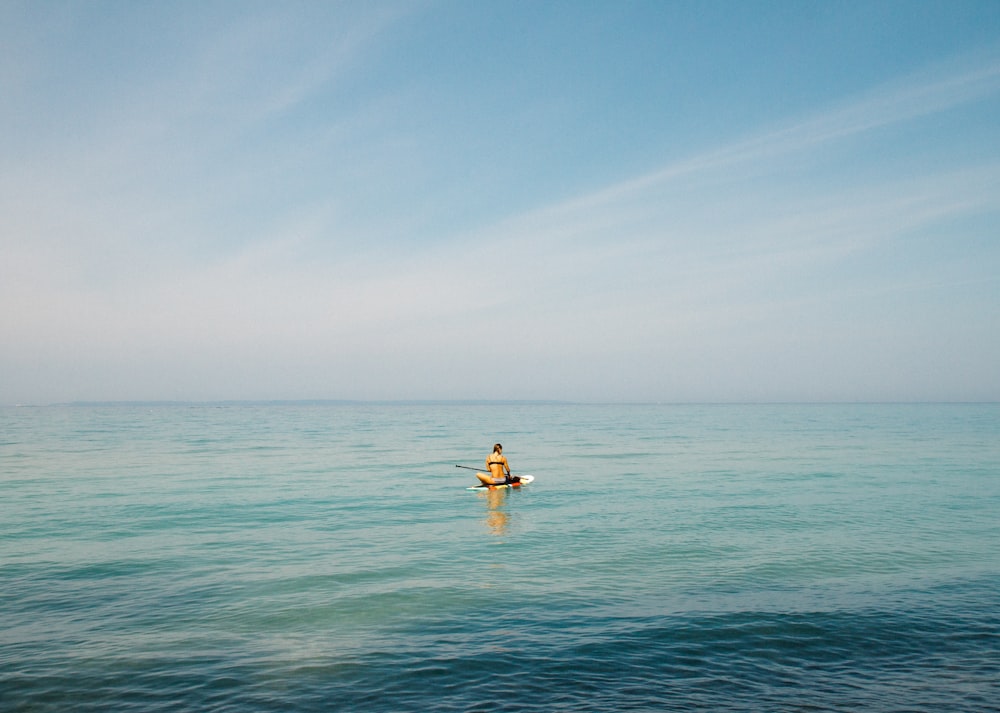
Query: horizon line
(482, 402)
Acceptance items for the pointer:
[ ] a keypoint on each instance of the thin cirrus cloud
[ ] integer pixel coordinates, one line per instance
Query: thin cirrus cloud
(660, 213)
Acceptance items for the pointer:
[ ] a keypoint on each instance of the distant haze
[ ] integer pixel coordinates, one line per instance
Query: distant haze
(588, 201)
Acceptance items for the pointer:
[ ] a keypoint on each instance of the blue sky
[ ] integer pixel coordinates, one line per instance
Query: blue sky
(592, 201)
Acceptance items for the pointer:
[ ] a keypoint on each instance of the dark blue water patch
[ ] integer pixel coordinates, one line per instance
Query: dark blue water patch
(743, 661)
(920, 660)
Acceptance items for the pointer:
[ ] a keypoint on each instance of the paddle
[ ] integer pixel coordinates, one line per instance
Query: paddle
(481, 470)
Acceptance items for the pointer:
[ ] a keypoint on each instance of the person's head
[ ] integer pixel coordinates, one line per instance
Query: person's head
(497, 448)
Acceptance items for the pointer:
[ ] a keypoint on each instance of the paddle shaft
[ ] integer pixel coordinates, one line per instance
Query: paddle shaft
(468, 468)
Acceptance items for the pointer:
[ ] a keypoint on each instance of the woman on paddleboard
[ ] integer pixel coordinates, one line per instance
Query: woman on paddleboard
(499, 469)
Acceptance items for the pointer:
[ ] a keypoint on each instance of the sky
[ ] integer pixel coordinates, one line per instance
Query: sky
(513, 200)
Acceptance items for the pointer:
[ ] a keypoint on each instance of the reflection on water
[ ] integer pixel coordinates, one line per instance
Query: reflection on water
(497, 517)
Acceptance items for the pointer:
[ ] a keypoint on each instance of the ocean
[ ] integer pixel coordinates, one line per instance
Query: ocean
(328, 557)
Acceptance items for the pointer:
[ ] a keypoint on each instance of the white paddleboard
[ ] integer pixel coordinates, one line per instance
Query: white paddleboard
(525, 479)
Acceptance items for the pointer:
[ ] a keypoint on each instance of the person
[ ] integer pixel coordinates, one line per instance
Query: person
(499, 469)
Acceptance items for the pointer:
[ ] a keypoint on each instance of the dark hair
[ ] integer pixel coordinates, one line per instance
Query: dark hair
(497, 447)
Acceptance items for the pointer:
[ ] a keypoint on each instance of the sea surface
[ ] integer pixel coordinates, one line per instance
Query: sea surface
(328, 557)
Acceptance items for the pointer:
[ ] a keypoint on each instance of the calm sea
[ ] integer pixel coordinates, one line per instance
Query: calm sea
(327, 557)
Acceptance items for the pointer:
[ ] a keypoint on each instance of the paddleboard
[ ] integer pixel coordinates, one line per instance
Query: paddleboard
(525, 479)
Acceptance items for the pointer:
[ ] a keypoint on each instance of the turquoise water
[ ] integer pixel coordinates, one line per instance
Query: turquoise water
(312, 557)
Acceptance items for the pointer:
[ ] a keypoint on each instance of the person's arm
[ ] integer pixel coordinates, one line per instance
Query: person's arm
(506, 465)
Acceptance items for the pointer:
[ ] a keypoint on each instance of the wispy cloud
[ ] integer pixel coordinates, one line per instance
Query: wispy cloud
(921, 95)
